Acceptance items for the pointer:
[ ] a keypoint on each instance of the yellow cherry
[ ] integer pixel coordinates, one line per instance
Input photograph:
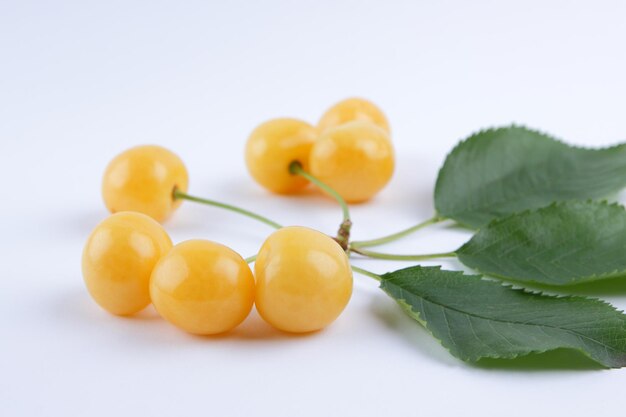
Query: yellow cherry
(118, 259)
(350, 110)
(142, 179)
(273, 146)
(202, 287)
(356, 159)
(303, 280)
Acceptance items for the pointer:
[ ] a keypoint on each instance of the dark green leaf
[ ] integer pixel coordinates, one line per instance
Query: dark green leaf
(475, 318)
(497, 172)
(562, 244)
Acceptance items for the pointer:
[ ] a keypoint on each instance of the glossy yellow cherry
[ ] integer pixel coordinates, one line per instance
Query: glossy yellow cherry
(273, 146)
(350, 110)
(142, 179)
(303, 280)
(356, 159)
(202, 287)
(118, 259)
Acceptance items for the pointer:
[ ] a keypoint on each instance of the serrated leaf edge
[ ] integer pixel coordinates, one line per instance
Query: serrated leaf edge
(483, 131)
(554, 204)
(497, 221)
(417, 317)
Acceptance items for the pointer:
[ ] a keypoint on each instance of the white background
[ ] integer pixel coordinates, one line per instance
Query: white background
(81, 81)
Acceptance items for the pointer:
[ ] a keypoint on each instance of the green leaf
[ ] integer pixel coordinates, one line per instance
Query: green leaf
(501, 171)
(562, 244)
(475, 318)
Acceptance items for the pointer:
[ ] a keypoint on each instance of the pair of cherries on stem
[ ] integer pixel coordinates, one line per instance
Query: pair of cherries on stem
(349, 150)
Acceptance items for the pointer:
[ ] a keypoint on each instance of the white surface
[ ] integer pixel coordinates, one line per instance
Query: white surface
(80, 82)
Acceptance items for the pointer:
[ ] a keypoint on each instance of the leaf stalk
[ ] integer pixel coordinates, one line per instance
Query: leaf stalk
(395, 257)
(398, 235)
(366, 273)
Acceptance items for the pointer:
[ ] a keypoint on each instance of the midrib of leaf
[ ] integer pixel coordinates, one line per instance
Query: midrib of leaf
(508, 323)
(586, 244)
(596, 277)
(618, 273)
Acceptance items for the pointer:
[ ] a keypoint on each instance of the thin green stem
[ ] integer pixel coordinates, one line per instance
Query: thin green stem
(398, 235)
(394, 257)
(366, 273)
(343, 234)
(179, 195)
(296, 169)
(250, 259)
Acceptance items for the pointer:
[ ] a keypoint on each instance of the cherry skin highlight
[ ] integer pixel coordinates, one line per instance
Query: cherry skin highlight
(356, 159)
(118, 259)
(202, 287)
(350, 110)
(143, 179)
(303, 280)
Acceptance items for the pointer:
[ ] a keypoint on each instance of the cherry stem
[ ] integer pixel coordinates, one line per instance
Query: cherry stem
(180, 195)
(394, 257)
(250, 259)
(296, 169)
(366, 273)
(343, 235)
(398, 235)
